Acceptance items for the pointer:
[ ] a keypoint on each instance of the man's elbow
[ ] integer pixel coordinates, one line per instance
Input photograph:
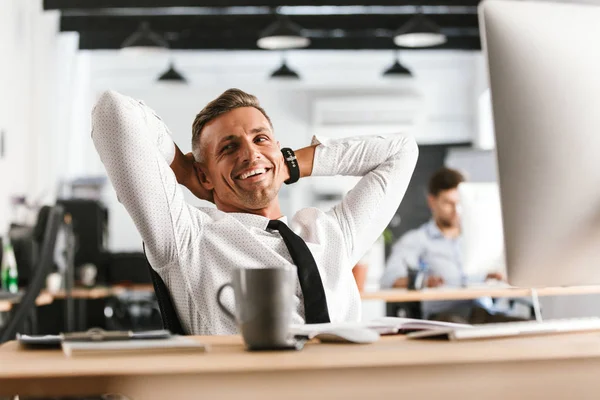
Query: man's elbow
(111, 105)
(409, 146)
(107, 102)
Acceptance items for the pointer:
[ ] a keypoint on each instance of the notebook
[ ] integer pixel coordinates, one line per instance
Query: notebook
(383, 326)
(174, 344)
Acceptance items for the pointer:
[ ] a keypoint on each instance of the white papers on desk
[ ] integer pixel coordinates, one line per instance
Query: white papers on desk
(138, 346)
(397, 324)
(383, 326)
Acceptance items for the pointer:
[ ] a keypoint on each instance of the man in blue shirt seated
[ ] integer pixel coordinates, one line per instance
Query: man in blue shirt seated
(434, 252)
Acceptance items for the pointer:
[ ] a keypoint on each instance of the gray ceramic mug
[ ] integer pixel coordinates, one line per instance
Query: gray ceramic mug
(264, 302)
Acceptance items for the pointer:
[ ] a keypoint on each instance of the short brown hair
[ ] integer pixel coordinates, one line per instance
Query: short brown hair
(227, 101)
(444, 179)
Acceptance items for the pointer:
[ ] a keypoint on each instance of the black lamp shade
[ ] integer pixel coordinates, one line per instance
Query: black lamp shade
(145, 38)
(397, 70)
(172, 75)
(284, 72)
(419, 31)
(282, 34)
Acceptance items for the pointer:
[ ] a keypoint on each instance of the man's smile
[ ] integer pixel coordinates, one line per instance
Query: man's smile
(253, 175)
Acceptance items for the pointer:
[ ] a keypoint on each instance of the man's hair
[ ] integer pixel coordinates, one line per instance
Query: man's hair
(227, 101)
(444, 179)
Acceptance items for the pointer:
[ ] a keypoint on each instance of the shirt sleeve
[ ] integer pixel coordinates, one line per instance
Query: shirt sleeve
(386, 165)
(404, 255)
(136, 149)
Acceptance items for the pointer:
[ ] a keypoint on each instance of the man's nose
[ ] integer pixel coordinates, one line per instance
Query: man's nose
(249, 152)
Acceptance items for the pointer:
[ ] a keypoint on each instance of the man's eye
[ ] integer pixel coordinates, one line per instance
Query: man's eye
(227, 147)
(260, 139)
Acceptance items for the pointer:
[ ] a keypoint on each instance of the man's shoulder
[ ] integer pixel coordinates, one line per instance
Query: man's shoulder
(415, 235)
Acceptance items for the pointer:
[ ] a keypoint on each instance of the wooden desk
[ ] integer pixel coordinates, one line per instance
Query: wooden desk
(404, 295)
(99, 292)
(42, 300)
(559, 366)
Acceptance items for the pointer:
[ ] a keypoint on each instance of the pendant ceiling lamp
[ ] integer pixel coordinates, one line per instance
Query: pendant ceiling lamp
(144, 39)
(171, 75)
(284, 72)
(397, 70)
(419, 31)
(282, 34)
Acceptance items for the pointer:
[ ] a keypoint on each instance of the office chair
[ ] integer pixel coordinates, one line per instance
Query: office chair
(49, 221)
(165, 303)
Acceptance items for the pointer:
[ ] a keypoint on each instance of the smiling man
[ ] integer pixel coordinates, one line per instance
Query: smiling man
(237, 164)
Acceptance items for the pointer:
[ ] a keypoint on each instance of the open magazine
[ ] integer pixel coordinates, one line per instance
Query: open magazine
(383, 326)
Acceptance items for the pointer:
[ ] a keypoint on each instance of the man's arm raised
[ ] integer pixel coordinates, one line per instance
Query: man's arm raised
(386, 164)
(136, 150)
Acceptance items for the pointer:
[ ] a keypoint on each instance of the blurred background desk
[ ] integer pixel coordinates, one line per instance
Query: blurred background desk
(99, 292)
(110, 307)
(391, 368)
(42, 300)
(404, 295)
(407, 303)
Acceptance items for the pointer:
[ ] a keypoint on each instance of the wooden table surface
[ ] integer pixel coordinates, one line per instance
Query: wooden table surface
(98, 292)
(557, 366)
(42, 300)
(404, 295)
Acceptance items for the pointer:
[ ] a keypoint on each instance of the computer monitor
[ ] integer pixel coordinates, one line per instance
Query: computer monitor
(544, 65)
(481, 224)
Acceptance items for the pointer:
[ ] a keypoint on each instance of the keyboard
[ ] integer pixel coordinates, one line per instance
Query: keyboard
(512, 329)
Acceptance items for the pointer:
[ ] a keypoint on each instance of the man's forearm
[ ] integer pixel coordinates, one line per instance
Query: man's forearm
(305, 157)
(401, 283)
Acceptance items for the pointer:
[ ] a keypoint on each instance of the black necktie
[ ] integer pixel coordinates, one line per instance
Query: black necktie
(315, 303)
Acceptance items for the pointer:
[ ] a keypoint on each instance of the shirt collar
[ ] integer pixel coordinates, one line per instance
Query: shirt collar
(433, 231)
(257, 221)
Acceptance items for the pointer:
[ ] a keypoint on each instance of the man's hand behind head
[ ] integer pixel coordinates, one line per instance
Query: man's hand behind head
(187, 173)
(193, 181)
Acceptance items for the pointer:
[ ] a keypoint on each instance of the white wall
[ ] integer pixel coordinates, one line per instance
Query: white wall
(34, 102)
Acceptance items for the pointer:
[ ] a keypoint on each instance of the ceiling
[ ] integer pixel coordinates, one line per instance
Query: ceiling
(236, 24)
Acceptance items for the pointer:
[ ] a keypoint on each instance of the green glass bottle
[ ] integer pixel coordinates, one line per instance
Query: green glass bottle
(8, 270)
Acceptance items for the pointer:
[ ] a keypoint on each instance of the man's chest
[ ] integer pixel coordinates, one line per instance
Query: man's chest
(250, 247)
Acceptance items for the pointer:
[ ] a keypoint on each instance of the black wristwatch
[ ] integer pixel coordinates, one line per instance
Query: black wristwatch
(290, 159)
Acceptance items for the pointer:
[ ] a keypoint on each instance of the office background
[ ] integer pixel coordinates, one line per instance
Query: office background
(57, 62)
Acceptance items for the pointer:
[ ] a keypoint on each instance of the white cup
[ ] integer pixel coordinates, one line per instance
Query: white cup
(88, 274)
(54, 282)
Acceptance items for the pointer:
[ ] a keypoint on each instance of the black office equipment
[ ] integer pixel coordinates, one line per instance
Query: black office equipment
(26, 250)
(90, 226)
(127, 267)
(165, 303)
(51, 219)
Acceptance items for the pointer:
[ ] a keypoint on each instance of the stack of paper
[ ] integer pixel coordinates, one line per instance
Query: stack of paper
(138, 346)
(383, 326)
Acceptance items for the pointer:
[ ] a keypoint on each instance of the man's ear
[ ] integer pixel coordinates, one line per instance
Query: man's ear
(431, 201)
(203, 177)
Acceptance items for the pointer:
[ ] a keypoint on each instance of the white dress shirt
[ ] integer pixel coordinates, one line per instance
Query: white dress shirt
(195, 249)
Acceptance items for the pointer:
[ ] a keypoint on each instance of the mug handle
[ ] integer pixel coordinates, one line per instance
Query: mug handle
(221, 306)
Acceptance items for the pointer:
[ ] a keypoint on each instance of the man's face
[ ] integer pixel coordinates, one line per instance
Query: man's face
(242, 161)
(444, 208)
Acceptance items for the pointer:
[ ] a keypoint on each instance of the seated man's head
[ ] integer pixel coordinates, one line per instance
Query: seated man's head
(443, 199)
(237, 156)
